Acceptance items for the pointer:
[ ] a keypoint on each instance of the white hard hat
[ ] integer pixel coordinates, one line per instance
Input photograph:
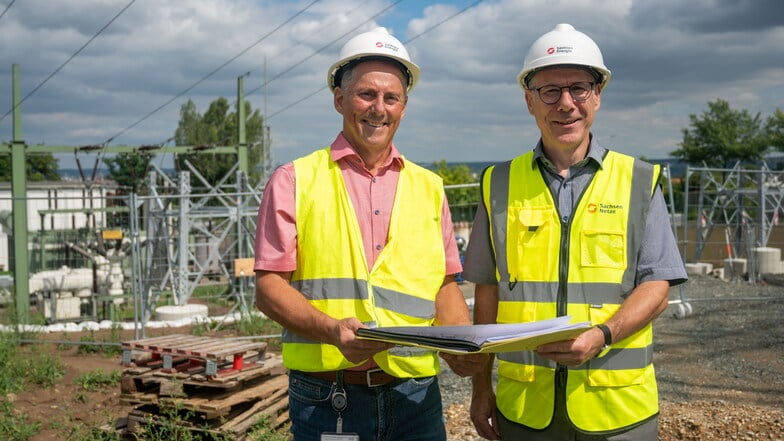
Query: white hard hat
(376, 43)
(563, 46)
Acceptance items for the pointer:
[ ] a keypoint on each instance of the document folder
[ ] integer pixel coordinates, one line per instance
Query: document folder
(508, 337)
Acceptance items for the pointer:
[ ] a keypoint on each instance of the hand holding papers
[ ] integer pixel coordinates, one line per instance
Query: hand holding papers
(479, 338)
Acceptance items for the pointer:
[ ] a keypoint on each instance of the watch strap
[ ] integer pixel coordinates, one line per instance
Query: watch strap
(607, 334)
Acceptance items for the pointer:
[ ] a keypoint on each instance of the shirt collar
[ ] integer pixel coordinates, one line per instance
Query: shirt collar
(342, 149)
(595, 153)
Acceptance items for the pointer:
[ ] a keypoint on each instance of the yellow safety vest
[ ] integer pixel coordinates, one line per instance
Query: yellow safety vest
(583, 268)
(332, 272)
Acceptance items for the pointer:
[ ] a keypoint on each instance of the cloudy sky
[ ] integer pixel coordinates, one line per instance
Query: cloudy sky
(118, 71)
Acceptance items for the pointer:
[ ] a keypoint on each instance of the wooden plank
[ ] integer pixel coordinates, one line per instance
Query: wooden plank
(231, 350)
(132, 399)
(141, 380)
(145, 343)
(188, 348)
(233, 378)
(244, 267)
(218, 349)
(269, 406)
(218, 406)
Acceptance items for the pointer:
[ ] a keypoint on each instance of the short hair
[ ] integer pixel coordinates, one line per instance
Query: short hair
(597, 76)
(345, 73)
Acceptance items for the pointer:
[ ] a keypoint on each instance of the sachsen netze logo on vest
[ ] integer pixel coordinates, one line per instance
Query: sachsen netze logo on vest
(603, 208)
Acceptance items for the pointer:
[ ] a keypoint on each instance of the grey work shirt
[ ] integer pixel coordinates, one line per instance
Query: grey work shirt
(659, 258)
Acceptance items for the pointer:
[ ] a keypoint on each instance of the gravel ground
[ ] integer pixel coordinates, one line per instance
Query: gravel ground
(720, 369)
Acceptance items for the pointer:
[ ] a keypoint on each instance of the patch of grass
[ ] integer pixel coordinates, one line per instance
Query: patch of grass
(43, 369)
(201, 326)
(251, 325)
(15, 426)
(213, 294)
(176, 424)
(98, 379)
(12, 370)
(262, 431)
(93, 381)
(21, 365)
(109, 347)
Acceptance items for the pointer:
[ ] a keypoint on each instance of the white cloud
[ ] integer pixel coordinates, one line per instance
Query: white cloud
(668, 61)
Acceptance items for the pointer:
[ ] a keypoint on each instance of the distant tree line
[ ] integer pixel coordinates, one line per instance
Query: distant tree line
(718, 137)
(721, 136)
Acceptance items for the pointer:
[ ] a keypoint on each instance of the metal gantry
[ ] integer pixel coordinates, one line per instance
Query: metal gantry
(161, 241)
(747, 201)
(191, 237)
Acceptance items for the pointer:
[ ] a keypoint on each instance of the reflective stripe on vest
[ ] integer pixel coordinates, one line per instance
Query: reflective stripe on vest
(332, 272)
(584, 268)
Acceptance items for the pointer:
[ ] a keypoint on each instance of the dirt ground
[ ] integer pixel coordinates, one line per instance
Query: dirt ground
(720, 371)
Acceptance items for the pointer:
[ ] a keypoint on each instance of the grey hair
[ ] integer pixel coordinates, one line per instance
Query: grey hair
(346, 73)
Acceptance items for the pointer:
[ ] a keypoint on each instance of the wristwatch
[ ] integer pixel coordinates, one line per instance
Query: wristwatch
(607, 339)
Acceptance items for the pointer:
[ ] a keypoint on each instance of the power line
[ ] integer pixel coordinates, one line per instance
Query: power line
(290, 68)
(296, 102)
(442, 21)
(8, 6)
(318, 30)
(56, 71)
(321, 49)
(405, 42)
(214, 71)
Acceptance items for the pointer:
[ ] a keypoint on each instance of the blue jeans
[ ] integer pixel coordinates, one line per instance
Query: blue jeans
(403, 410)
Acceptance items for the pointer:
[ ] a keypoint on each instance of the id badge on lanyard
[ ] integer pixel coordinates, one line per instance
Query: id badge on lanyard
(339, 437)
(339, 403)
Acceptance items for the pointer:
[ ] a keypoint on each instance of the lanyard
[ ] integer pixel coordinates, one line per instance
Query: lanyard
(339, 400)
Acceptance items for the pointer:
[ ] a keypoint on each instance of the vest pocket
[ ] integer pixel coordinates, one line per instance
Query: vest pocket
(523, 373)
(615, 378)
(602, 249)
(531, 233)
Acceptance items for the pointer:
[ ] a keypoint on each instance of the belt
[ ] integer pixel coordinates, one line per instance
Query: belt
(369, 378)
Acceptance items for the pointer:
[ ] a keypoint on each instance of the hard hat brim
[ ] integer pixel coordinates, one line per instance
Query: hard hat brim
(408, 68)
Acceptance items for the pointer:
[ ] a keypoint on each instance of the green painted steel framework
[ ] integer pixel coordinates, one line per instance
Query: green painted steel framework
(235, 212)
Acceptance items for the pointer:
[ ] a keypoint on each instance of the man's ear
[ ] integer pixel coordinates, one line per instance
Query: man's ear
(529, 96)
(337, 99)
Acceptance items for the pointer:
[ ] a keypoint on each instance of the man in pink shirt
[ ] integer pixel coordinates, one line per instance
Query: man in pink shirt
(353, 236)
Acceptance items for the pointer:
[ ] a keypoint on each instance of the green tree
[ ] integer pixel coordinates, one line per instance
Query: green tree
(775, 130)
(38, 167)
(128, 170)
(217, 127)
(462, 200)
(721, 136)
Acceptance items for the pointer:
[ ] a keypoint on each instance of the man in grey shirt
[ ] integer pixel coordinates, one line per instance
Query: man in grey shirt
(571, 229)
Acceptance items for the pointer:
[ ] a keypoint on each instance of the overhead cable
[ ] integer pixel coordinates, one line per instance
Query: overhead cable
(56, 71)
(405, 42)
(312, 55)
(213, 72)
(322, 48)
(7, 7)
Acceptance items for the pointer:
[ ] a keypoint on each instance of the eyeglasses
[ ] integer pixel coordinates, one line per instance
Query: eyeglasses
(579, 91)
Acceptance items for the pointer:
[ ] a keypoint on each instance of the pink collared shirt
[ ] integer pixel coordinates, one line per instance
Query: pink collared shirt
(371, 196)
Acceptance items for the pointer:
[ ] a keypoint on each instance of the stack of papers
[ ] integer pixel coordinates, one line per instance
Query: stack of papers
(479, 338)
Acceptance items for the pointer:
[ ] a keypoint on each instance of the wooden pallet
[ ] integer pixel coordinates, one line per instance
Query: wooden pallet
(209, 404)
(180, 352)
(137, 380)
(227, 400)
(230, 414)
